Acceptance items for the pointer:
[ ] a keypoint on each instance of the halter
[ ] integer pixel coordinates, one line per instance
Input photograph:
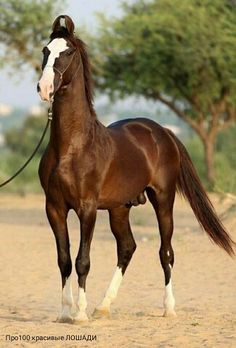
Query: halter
(61, 73)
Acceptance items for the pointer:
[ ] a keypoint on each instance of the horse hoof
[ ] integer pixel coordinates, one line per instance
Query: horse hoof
(81, 318)
(169, 314)
(101, 313)
(65, 320)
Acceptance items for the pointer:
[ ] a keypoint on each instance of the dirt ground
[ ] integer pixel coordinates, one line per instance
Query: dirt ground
(204, 281)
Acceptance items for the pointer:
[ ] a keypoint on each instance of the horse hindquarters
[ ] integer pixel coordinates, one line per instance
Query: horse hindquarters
(163, 206)
(161, 194)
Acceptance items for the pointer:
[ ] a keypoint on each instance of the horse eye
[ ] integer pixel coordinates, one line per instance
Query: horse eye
(70, 51)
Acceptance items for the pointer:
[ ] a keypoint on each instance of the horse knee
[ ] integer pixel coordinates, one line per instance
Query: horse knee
(82, 266)
(65, 265)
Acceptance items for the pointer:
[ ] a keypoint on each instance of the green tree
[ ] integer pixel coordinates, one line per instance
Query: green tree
(19, 145)
(24, 27)
(181, 53)
(23, 140)
(226, 144)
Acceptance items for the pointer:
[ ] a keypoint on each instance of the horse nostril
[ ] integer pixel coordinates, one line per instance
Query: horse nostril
(51, 87)
(38, 88)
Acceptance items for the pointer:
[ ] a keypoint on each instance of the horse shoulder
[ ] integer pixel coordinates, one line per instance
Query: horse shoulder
(46, 164)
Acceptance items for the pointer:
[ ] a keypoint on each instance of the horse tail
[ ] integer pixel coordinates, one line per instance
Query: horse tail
(190, 186)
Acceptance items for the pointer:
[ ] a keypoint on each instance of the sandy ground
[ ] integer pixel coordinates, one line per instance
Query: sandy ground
(204, 280)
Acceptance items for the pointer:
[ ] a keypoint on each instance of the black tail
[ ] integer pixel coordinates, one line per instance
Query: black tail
(189, 185)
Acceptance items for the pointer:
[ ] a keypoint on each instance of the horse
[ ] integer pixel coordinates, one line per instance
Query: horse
(88, 167)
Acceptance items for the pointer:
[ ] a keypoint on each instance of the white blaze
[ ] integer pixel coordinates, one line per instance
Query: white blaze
(55, 47)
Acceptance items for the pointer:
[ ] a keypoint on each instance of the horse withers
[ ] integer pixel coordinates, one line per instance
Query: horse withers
(88, 166)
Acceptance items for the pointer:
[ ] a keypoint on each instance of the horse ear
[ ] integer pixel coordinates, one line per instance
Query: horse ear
(63, 24)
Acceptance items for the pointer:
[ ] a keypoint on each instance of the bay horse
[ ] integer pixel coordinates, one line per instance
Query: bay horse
(88, 166)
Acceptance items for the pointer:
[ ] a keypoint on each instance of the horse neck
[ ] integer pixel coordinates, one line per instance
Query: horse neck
(73, 119)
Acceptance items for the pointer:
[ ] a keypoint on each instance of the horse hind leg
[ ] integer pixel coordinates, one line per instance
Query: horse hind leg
(120, 226)
(162, 203)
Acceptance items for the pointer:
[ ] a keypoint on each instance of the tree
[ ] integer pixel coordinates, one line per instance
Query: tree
(181, 53)
(24, 27)
(23, 140)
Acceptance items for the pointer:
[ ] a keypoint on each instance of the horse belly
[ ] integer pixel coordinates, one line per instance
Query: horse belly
(124, 181)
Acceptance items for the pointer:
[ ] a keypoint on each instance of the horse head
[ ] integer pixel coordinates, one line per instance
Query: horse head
(61, 58)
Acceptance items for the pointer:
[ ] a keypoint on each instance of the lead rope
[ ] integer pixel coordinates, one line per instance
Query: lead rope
(50, 114)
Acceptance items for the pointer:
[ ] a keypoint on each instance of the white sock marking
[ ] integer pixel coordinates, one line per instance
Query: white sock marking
(67, 296)
(112, 291)
(169, 300)
(82, 302)
(81, 305)
(67, 299)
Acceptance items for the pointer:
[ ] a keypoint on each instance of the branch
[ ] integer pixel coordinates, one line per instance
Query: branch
(191, 100)
(196, 126)
(219, 107)
(231, 111)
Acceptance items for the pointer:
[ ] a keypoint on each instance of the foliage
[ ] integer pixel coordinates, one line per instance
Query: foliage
(24, 26)
(171, 46)
(24, 140)
(20, 143)
(178, 52)
(225, 162)
(226, 144)
(196, 152)
(27, 181)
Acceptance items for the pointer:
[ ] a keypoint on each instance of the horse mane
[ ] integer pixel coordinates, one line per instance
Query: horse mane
(88, 80)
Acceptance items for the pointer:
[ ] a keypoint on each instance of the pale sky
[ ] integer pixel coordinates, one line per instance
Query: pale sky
(21, 91)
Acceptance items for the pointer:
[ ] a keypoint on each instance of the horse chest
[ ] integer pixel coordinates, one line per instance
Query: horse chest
(73, 182)
(61, 180)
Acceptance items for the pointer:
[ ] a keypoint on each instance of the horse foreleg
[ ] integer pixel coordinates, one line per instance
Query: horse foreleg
(87, 222)
(119, 221)
(57, 219)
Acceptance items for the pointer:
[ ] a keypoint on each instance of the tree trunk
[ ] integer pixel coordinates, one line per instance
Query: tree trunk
(209, 143)
(206, 130)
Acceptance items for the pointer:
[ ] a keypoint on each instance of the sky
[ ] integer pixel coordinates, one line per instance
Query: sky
(21, 91)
